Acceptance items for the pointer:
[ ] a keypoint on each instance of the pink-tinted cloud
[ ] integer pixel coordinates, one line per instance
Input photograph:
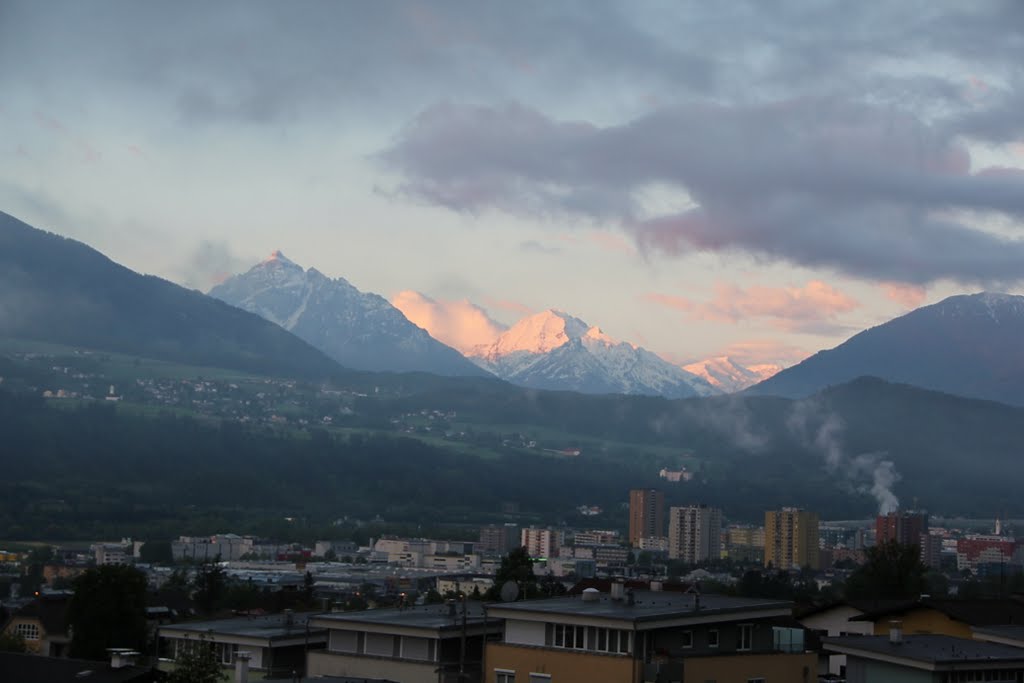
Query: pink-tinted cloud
(459, 324)
(756, 352)
(906, 295)
(815, 300)
(810, 308)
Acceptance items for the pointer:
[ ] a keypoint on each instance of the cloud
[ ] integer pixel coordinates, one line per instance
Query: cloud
(459, 324)
(535, 247)
(824, 182)
(810, 308)
(907, 296)
(515, 307)
(209, 264)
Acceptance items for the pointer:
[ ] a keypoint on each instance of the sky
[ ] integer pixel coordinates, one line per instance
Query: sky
(756, 179)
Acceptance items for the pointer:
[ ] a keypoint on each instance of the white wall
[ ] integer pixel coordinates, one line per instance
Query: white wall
(524, 632)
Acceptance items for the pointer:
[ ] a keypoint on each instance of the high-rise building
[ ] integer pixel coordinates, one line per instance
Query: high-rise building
(791, 539)
(542, 542)
(498, 538)
(646, 514)
(904, 527)
(694, 533)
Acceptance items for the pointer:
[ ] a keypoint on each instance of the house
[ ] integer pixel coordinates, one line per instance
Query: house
(634, 636)
(277, 644)
(417, 644)
(43, 624)
(926, 658)
(837, 619)
(949, 617)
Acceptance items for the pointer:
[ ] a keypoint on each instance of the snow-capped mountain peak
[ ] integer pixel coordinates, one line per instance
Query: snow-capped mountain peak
(728, 375)
(359, 330)
(554, 350)
(538, 333)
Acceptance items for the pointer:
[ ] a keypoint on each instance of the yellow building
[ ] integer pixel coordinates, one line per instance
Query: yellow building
(945, 617)
(791, 539)
(626, 637)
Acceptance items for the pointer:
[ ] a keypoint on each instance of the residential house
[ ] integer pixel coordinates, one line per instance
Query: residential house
(633, 637)
(949, 617)
(43, 624)
(277, 644)
(418, 644)
(926, 658)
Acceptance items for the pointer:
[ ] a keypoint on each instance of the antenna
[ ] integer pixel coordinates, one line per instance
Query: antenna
(509, 591)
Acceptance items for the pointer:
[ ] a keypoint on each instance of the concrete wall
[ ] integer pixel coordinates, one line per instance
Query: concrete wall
(740, 668)
(564, 666)
(333, 664)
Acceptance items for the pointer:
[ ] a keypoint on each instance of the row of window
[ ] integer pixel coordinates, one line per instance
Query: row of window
(592, 638)
(184, 646)
(746, 638)
(27, 631)
(994, 675)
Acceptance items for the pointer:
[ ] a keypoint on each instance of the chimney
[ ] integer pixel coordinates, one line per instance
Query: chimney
(895, 631)
(618, 590)
(121, 657)
(242, 666)
(656, 586)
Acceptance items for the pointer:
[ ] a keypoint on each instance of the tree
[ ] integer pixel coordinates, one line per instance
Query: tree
(156, 552)
(892, 571)
(197, 664)
(210, 586)
(518, 567)
(12, 642)
(107, 610)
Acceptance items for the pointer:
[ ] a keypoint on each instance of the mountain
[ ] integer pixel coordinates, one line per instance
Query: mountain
(58, 290)
(728, 376)
(970, 345)
(553, 350)
(359, 330)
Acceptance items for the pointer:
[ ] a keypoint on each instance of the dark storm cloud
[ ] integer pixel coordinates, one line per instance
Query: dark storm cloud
(819, 182)
(262, 61)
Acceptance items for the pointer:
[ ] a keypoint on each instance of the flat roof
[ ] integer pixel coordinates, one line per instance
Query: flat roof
(433, 617)
(1008, 631)
(647, 606)
(265, 626)
(927, 648)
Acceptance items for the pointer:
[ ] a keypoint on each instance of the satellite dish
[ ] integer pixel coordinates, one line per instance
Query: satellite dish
(509, 591)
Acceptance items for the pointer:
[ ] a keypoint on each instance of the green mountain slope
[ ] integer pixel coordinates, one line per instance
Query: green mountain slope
(57, 290)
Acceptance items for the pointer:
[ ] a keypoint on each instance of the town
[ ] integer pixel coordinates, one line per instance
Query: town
(679, 595)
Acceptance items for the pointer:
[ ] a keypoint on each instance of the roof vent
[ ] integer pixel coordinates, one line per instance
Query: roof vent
(590, 595)
(618, 590)
(895, 631)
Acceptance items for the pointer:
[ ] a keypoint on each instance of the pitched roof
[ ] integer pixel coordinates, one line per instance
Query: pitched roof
(980, 612)
(51, 610)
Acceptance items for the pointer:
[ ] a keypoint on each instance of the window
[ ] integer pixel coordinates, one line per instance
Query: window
(687, 639)
(755, 680)
(504, 676)
(27, 631)
(226, 652)
(713, 638)
(540, 678)
(746, 637)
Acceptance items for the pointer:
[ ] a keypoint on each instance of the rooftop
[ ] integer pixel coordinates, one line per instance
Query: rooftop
(266, 626)
(927, 648)
(1004, 632)
(434, 617)
(27, 668)
(648, 606)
